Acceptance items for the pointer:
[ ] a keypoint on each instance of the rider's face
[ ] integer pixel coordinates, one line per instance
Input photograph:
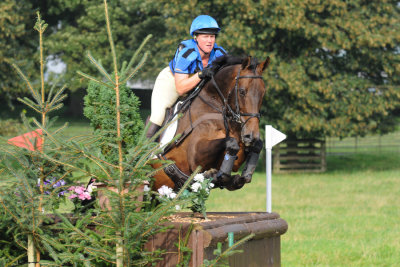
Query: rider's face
(206, 42)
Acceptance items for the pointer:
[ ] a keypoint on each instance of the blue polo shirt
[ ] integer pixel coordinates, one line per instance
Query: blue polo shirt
(187, 58)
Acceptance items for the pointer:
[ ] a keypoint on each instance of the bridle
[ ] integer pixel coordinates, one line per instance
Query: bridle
(228, 113)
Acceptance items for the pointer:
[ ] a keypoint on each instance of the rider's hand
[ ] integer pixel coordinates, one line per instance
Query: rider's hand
(206, 73)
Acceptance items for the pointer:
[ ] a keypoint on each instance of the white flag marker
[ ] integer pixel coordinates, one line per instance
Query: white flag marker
(272, 137)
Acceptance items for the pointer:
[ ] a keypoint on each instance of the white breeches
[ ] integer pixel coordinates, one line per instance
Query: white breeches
(164, 95)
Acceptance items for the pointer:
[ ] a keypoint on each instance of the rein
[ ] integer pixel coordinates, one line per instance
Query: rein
(227, 109)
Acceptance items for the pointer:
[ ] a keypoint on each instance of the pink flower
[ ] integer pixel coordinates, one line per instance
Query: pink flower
(71, 188)
(84, 195)
(72, 196)
(79, 190)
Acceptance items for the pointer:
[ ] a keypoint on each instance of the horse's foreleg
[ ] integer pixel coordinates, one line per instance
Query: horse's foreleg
(232, 148)
(251, 160)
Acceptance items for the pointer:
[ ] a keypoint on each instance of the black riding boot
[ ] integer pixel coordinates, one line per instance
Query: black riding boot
(153, 128)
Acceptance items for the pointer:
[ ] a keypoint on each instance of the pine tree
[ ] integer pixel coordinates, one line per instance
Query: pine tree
(100, 235)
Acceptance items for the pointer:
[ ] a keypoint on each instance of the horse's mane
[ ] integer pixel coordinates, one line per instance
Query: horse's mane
(229, 60)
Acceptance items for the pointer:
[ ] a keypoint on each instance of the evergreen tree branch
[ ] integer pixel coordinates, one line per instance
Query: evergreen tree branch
(29, 103)
(230, 249)
(100, 68)
(94, 79)
(77, 150)
(133, 59)
(136, 68)
(58, 97)
(28, 83)
(40, 26)
(50, 94)
(110, 39)
(55, 107)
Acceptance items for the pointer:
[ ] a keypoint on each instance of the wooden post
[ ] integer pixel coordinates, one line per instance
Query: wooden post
(31, 252)
(119, 249)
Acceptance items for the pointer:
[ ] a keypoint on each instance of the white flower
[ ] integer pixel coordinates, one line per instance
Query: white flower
(172, 195)
(90, 188)
(146, 188)
(177, 207)
(195, 187)
(165, 191)
(211, 185)
(199, 177)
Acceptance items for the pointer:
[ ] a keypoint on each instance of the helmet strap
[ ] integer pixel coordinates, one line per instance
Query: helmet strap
(195, 39)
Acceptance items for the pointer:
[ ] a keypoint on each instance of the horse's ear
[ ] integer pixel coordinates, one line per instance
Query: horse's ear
(246, 62)
(263, 65)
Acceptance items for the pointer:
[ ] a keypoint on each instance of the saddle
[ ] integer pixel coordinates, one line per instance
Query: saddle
(182, 106)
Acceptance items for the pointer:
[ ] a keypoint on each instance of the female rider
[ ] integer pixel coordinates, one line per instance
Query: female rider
(186, 69)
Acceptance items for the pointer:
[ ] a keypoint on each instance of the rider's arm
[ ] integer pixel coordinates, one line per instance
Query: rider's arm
(184, 82)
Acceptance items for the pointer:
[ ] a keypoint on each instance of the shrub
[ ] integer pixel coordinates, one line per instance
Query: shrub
(100, 110)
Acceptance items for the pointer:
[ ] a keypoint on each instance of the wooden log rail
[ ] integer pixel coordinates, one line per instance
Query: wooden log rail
(300, 155)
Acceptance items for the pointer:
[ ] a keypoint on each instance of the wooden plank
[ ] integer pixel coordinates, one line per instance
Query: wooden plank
(298, 149)
(297, 157)
(301, 165)
(300, 156)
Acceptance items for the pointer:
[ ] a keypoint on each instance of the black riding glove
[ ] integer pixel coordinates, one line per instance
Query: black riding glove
(206, 73)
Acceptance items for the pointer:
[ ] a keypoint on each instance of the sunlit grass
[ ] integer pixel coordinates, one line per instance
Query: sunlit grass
(348, 216)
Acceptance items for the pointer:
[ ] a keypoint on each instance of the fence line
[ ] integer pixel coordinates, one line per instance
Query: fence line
(368, 144)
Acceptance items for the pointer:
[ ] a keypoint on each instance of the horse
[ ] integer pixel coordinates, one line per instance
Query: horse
(219, 129)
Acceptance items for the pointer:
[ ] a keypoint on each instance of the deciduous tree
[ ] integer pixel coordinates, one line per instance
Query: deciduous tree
(335, 64)
(17, 44)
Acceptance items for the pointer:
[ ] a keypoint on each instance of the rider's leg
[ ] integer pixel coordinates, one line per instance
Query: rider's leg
(164, 95)
(153, 128)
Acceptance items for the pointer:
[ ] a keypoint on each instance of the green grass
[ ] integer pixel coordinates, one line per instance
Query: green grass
(348, 216)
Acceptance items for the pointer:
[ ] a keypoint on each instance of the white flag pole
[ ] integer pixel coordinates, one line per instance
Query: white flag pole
(269, 182)
(272, 137)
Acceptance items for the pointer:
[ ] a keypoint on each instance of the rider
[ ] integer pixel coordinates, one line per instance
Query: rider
(186, 69)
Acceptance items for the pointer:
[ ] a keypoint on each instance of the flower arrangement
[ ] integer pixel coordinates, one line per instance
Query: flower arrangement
(198, 193)
(79, 192)
(82, 197)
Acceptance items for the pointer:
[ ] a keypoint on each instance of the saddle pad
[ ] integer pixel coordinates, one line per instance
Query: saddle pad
(169, 133)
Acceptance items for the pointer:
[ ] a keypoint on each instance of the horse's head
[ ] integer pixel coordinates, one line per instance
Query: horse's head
(245, 98)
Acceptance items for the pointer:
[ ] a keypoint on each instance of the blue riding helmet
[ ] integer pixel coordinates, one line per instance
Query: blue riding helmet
(204, 24)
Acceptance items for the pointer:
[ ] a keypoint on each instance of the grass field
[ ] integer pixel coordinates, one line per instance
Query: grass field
(348, 216)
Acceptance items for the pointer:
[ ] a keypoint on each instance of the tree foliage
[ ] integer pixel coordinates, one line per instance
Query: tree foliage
(30, 196)
(334, 68)
(335, 64)
(100, 110)
(16, 44)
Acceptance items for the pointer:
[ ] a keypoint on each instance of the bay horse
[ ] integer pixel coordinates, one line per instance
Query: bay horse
(220, 127)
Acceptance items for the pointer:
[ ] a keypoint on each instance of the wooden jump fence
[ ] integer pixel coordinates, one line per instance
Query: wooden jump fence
(306, 155)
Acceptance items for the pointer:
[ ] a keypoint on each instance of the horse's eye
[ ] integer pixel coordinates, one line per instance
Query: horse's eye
(242, 92)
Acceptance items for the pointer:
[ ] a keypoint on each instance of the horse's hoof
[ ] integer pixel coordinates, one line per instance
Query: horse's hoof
(211, 173)
(248, 179)
(236, 183)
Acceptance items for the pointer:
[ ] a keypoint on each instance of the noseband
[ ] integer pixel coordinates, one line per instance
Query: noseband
(227, 111)
(237, 114)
